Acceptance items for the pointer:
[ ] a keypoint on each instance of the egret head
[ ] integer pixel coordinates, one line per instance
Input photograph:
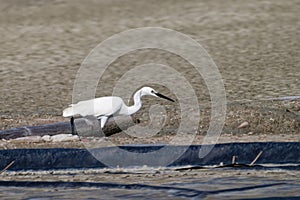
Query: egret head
(152, 92)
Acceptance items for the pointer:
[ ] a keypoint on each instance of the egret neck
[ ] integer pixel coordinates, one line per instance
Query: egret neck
(137, 98)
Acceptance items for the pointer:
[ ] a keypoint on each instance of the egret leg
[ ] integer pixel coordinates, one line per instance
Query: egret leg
(103, 121)
(72, 125)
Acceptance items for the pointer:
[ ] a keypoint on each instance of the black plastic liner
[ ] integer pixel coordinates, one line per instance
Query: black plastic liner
(61, 158)
(177, 191)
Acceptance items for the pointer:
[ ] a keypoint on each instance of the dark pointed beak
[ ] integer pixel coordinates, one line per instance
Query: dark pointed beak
(164, 97)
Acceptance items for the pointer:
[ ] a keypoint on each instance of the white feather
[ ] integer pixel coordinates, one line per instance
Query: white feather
(105, 107)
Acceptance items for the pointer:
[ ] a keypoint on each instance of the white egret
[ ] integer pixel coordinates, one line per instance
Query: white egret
(106, 107)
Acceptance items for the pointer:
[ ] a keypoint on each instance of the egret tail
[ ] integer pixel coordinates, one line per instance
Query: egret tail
(68, 112)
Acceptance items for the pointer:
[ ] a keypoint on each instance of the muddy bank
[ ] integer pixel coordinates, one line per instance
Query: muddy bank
(254, 44)
(268, 120)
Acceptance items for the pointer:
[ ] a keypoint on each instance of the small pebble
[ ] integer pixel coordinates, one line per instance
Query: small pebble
(243, 125)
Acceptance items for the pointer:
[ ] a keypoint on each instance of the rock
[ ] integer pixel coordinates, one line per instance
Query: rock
(28, 139)
(243, 125)
(46, 138)
(64, 138)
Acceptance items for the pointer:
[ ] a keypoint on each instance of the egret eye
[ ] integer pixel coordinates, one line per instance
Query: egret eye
(152, 91)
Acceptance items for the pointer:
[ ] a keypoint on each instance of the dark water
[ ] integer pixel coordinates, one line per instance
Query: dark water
(220, 188)
(152, 183)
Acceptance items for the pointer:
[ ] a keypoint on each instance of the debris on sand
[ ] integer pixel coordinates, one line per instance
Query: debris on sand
(64, 138)
(29, 139)
(243, 125)
(47, 138)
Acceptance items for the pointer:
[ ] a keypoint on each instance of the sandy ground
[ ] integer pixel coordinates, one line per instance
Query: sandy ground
(253, 43)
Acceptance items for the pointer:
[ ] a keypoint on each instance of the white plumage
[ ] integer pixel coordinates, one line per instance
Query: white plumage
(105, 107)
(89, 107)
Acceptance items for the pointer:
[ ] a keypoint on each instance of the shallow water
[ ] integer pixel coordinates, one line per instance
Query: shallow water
(152, 183)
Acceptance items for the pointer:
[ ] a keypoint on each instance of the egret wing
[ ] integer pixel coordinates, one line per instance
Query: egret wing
(107, 106)
(103, 106)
